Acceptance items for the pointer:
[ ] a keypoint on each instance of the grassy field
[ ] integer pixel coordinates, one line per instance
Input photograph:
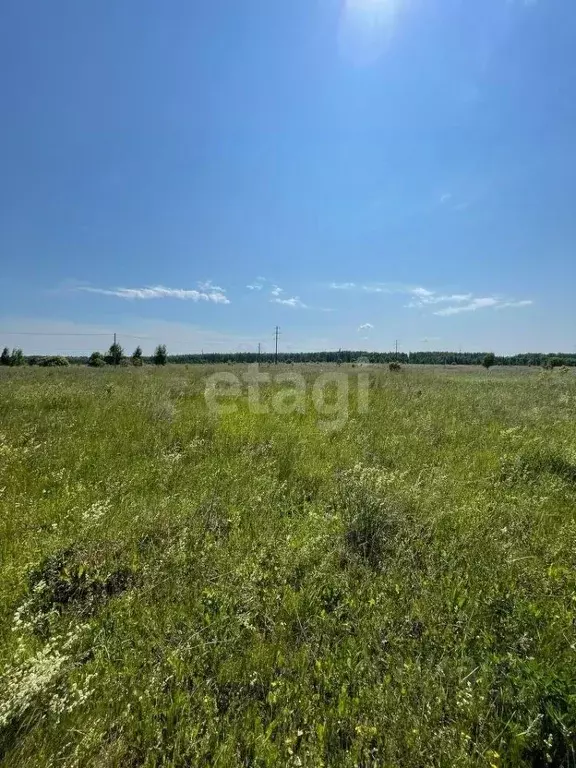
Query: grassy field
(185, 588)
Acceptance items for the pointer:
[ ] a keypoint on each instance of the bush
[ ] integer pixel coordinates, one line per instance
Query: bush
(17, 357)
(489, 360)
(96, 360)
(54, 361)
(395, 366)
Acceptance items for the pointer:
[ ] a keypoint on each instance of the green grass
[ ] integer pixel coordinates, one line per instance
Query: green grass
(178, 589)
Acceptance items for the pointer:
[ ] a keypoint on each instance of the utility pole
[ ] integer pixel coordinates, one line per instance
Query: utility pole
(276, 332)
(259, 350)
(396, 347)
(115, 359)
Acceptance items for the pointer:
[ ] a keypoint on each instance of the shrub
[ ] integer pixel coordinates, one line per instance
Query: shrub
(17, 357)
(68, 580)
(96, 360)
(395, 366)
(489, 360)
(54, 361)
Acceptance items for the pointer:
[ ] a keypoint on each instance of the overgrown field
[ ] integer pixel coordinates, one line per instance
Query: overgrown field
(180, 588)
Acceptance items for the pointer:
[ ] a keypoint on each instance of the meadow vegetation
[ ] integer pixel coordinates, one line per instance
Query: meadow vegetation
(185, 588)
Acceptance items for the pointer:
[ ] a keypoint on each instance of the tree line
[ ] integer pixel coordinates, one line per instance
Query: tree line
(116, 356)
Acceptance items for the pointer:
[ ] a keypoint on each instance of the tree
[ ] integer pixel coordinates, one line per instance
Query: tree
(160, 356)
(115, 354)
(5, 357)
(137, 356)
(17, 357)
(96, 360)
(489, 360)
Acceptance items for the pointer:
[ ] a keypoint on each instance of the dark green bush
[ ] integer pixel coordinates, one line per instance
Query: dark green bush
(54, 361)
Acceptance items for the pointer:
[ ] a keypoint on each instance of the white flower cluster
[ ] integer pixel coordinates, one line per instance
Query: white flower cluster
(374, 478)
(22, 684)
(96, 511)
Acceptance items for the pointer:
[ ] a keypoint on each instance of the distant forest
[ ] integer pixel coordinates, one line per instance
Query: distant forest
(354, 356)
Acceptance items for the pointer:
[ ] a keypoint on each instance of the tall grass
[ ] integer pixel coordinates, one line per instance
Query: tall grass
(178, 588)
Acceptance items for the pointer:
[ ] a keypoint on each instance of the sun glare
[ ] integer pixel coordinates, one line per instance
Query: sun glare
(366, 27)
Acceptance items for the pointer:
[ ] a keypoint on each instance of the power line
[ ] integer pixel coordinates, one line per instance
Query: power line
(41, 333)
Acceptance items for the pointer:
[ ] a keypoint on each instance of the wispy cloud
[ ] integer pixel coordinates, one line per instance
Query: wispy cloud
(460, 302)
(483, 303)
(371, 287)
(257, 285)
(276, 290)
(209, 286)
(472, 306)
(445, 197)
(422, 297)
(423, 293)
(425, 298)
(293, 302)
(523, 303)
(208, 293)
(366, 327)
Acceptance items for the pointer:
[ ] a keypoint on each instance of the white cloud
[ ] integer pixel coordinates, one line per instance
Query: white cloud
(445, 197)
(258, 284)
(209, 286)
(475, 304)
(276, 290)
(294, 302)
(422, 293)
(365, 327)
(423, 298)
(213, 294)
(428, 297)
(523, 303)
(371, 287)
(459, 302)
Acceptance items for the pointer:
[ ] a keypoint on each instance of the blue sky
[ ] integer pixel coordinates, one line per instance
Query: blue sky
(355, 171)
